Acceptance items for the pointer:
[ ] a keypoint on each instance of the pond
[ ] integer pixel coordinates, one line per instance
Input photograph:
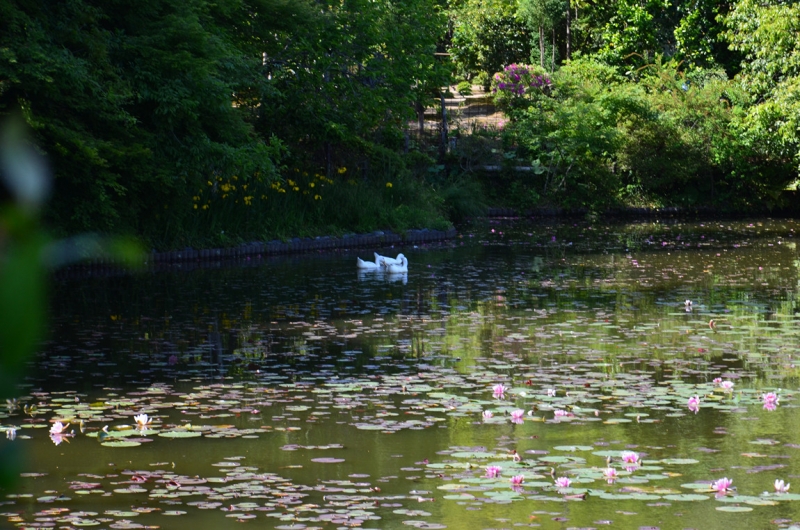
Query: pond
(549, 375)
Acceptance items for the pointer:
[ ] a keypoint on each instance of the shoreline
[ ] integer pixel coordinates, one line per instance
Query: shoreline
(190, 258)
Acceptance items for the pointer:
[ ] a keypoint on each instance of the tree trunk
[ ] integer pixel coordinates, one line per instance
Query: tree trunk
(553, 56)
(420, 108)
(569, 34)
(541, 46)
(443, 147)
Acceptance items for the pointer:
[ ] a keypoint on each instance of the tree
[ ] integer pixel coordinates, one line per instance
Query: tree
(699, 36)
(768, 35)
(134, 104)
(637, 31)
(543, 15)
(350, 81)
(487, 35)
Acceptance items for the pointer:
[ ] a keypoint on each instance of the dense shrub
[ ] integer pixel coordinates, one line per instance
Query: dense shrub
(594, 138)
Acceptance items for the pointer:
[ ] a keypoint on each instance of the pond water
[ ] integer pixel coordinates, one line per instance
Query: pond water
(296, 393)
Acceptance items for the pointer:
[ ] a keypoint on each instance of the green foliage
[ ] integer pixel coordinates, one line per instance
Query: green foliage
(542, 17)
(570, 138)
(699, 36)
(132, 103)
(669, 138)
(767, 35)
(338, 92)
(487, 35)
(464, 88)
(637, 32)
(146, 111)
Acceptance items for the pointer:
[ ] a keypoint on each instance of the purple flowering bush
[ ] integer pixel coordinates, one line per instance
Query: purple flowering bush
(518, 83)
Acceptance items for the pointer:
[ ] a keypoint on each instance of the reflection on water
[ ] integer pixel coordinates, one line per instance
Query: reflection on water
(278, 365)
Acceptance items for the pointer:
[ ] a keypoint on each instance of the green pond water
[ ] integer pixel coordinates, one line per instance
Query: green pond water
(297, 393)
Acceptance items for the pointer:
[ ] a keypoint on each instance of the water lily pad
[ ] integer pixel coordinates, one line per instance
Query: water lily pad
(477, 455)
(679, 461)
(180, 434)
(120, 443)
(573, 448)
(687, 497)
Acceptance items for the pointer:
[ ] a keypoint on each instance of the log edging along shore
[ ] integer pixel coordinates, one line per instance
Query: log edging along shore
(299, 245)
(189, 258)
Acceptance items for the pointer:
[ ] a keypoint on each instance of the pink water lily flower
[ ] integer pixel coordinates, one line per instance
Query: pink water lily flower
(717, 380)
(694, 404)
(629, 457)
(551, 392)
(517, 416)
(58, 428)
(487, 414)
(727, 386)
(516, 480)
(610, 474)
(57, 437)
(493, 471)
(722, 485)
(770, 398)
(563, 482)
(780, 487)
(560, 413)
(499, 391)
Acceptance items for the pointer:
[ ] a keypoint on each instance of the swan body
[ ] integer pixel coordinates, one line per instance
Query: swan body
(367, 265)
(386, 261)
(400, 265)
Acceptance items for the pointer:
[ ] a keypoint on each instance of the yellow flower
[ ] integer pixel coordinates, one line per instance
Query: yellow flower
(388, 184)
(209, 183)
(296, 188)
(195, 207)
(291, 182)
(205, 207)
(311, 185)
(317, 197)
(341, 170)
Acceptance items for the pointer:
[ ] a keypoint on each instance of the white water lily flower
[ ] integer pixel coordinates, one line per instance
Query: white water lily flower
(142, 420)
(58, 428)
(780, 487)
